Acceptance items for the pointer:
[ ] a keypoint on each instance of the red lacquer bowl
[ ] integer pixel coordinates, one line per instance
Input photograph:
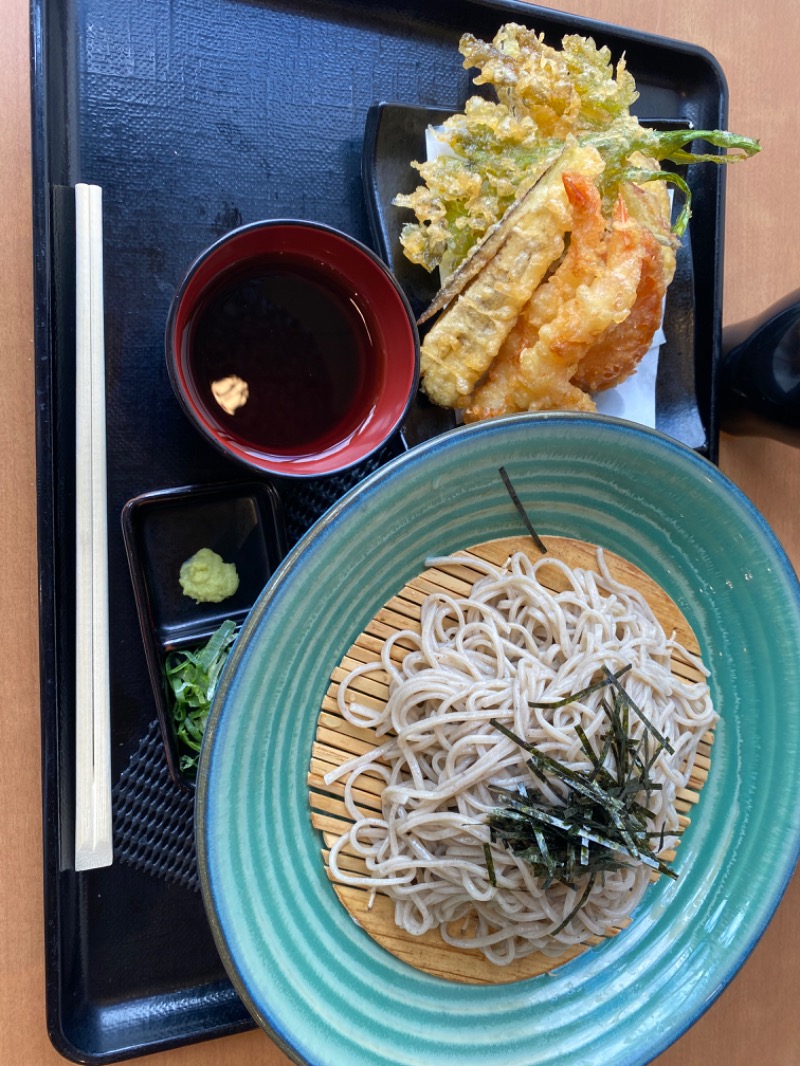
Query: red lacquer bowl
(292, 348)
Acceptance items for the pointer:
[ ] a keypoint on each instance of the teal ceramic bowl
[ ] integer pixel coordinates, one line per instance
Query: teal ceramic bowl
(319, 985)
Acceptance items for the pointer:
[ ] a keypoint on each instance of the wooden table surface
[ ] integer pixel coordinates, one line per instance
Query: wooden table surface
(754, 1020)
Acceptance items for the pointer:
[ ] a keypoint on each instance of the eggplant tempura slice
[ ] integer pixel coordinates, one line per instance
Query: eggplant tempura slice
(480, 253)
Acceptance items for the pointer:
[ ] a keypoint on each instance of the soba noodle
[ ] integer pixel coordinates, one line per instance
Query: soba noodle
(510, 644)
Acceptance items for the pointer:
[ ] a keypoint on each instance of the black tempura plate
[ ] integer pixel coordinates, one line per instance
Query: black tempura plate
(195, 118)
(395, 135)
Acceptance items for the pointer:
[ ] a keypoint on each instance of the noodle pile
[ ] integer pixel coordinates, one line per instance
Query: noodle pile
(511, 643)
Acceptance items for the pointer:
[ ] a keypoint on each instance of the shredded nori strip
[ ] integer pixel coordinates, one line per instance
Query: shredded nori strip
(604, 821)
(487, 851)
(595, 687)
(613, 679)
(512, 492)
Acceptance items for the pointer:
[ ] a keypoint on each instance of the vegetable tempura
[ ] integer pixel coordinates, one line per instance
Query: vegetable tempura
(464, 341)
(549, 222)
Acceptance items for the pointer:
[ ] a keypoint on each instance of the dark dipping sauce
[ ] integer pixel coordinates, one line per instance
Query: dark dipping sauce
(281, 356)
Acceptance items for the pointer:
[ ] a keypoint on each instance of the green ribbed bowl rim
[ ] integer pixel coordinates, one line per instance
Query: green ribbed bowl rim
(319, 985)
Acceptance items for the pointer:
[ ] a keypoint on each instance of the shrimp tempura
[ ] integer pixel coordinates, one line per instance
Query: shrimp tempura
(580, 308)
(465, 339)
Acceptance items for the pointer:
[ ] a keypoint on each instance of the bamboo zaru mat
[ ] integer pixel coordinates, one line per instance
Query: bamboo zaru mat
(337, 741)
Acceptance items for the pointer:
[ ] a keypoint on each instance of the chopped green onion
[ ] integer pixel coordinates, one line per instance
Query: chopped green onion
(191, 678)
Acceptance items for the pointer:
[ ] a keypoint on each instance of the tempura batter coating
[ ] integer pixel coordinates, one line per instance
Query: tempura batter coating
(617, 354)
(505, 389)
(468, 335)
(567, 90)
(480, 254)
(524, 325)
(550, 364)
(584, 307)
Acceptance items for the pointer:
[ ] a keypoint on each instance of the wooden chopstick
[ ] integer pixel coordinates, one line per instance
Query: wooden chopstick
(93, 826)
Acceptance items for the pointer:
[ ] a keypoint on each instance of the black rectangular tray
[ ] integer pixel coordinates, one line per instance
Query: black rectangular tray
(195, 118)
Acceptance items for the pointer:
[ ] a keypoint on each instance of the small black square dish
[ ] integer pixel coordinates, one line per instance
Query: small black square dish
(242, 523)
